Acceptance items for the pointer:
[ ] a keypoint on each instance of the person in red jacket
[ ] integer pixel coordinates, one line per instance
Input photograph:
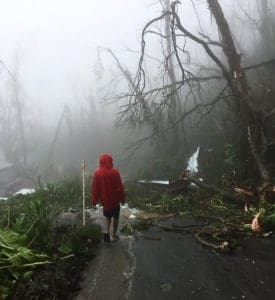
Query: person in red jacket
(107, 188)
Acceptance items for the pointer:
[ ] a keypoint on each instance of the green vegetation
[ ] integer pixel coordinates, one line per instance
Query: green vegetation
(267, 216)
(192, 202)
(17, 261)
(197, 202)
(31, 244)
(222, 225)
(36, 257)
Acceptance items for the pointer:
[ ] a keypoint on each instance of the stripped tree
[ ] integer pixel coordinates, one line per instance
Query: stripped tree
(248, 112)
(12, 125)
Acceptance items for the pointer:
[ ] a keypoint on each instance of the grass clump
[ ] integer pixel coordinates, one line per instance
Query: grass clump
(17, 260)
(34, 250)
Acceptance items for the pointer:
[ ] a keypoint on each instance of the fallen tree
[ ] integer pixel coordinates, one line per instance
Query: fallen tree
(152, 105)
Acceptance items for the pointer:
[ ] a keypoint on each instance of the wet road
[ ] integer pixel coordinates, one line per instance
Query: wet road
(177, 267)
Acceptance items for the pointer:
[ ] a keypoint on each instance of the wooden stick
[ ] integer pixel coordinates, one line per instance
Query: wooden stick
(9, 213)
(83, 193)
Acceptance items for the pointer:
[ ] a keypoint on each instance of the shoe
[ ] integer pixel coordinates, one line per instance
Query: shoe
(106, 237)
(115, 238)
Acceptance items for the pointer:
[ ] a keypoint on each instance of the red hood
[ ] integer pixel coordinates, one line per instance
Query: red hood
(105, 161)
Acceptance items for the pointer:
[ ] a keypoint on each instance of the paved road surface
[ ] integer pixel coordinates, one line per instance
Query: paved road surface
(177, 267)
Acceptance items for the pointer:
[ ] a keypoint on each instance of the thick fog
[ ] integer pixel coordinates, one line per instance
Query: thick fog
(55, 44)
(52, 65)
(51, 49)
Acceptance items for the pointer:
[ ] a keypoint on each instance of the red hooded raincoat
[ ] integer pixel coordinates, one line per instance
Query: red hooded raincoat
(107, 186)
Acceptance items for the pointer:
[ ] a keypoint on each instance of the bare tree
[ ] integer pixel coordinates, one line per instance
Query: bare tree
(267, 26)
(235, 90)
(12, 121)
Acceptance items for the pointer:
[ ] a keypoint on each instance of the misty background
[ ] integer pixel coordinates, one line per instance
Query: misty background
(59, 72)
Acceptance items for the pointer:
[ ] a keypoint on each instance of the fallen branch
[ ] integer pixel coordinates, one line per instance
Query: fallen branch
(244, 192)
(261, 167)
(188, 226)
(168, 228)
(223, 244)
(208, 244)
(210, 188)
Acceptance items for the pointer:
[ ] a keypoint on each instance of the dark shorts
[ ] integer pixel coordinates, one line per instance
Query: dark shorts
(114, 213)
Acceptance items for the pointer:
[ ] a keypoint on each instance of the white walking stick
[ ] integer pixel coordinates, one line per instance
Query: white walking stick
(83, 193)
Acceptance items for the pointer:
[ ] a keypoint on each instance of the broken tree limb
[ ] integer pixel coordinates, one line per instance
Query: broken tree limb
(169, 228)
(211, 233)
(262, 169)
(190, 225)
(208, 244)
(210, 188)
(255, 226)
(244, 192)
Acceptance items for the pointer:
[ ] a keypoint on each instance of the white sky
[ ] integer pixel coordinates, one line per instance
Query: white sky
(56, 41)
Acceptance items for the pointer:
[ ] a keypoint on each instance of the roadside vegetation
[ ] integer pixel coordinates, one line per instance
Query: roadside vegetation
(220, 224)
(37, 257)
(202, 86)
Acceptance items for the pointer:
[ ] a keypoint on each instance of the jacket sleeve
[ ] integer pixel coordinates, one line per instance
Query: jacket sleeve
(95, 189)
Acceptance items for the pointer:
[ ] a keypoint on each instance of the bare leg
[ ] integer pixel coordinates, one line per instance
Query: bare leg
(107, 225)
(115, 226)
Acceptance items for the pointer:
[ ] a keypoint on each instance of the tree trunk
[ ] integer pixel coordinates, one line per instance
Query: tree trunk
(249, 114)
(267, 28)
(174, 109)
(18, 106)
